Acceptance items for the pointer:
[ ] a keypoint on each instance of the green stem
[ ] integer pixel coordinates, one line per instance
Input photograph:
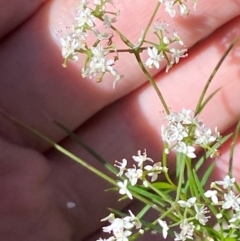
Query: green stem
(150, 22)
(232, 149)
(149, 77)
(181, 176)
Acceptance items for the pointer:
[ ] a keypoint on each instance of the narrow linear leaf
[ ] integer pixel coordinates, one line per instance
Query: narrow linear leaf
(60, 149)
(199, 104)
(201, 193)
(207, 174)
(208, 153)
(92, 152)
(208, 99)
(233, 145)
(163, 185)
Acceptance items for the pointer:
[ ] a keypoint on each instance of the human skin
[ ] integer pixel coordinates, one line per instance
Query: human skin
(36, 182)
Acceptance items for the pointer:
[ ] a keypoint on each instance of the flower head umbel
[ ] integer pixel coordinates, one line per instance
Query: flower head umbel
(97, 62)
(121, 228)
(139, 172)
(184, 131)
(165, 49)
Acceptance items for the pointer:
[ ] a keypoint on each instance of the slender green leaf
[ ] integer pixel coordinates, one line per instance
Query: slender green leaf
(233, 145)
(180, 160)
(207, 100)
(201, 193)
(149, 195)
(207, 174)
(92, 152)
(208, 153)
(163, 185)
(61, 149)
(199, 104)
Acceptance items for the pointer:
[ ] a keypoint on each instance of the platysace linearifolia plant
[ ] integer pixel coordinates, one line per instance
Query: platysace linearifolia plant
(184, 206)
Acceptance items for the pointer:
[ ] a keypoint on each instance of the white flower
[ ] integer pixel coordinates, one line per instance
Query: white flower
(99, 52)
(213, 195)
(140, 159)
(227, 182)
(177, 54)
(108, 239)
(236, 216)
(183, 9)
(109, 218)
(107, 21)
(82, 4)
(70, 44)
(154, 170)
(85, 16)
(174, 132)
(200, 214)
(179, 236)
(101, 65)
(101, 36)
(185, 117)
(186, 231)
(123, 188)
(135, 221)
(189, 203)
(160, 27)
(133, 175)
(188, 150)
(187, 228)
(178, 39)
(121, 165)
(231, 201)
(120, 228)
(169, 8)
(154, 58)
(204, 136)
(165, 228)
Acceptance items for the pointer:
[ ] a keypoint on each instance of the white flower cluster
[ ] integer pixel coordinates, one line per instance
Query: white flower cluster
(184, 131)
(164, 50)
(190, 210)
(121, 227)
(97, 62)
(182, 7)
(225, 200)
(139, 172)
(196, 215)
